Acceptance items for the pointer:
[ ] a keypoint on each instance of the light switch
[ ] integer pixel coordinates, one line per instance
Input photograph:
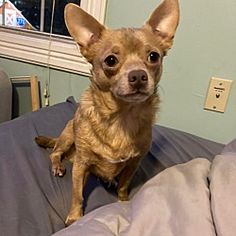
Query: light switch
(218, 93)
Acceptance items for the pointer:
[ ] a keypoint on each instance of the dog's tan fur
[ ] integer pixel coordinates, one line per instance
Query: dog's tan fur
(112, 128)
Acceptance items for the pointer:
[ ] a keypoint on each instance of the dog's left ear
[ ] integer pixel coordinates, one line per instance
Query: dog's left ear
(164, 21)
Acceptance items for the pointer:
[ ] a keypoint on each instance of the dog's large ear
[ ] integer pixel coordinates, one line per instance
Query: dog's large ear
(164, 21)
(84, 28)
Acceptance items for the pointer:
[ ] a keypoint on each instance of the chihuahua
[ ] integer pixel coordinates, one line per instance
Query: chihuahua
(112, 128)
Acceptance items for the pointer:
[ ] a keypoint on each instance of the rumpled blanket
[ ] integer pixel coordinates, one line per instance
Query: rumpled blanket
(194, 198)
(35, 203)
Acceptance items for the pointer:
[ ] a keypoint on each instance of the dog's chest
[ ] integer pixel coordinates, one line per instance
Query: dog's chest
(111, 148)
(116, 153)
(117, 142)
(106, 170)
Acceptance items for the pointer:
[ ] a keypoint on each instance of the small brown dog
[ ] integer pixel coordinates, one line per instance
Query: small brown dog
(112, 128)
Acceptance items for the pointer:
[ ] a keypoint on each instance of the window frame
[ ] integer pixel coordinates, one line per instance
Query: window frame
(33, 46)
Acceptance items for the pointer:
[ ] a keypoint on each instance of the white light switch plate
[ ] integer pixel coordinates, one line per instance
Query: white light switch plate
(218, 93)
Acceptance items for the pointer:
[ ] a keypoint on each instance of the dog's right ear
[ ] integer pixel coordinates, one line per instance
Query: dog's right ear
(84, 28)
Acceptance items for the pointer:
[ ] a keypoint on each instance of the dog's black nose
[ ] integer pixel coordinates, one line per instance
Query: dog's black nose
(137, 78)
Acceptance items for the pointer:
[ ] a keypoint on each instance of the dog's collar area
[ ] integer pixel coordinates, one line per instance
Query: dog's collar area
(121, 160)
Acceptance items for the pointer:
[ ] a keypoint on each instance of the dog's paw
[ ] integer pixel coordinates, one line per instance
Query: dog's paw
(71, 219)
(123, 197)
(58, 169)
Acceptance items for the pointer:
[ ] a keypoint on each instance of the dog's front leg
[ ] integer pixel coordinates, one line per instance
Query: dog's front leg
(79, 178)
(124, 179)
(63, 144)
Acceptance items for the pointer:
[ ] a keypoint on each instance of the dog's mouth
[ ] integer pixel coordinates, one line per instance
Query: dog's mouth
(137, 96)
(131, 94)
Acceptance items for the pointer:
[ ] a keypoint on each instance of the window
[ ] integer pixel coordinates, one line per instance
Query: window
(35, 15)
(24, 32)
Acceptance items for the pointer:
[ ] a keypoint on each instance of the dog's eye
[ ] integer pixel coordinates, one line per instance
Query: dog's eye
(111, 61)
(153, 57)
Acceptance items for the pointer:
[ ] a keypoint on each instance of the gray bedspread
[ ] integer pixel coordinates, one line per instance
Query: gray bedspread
(35, 203)
(197, 198)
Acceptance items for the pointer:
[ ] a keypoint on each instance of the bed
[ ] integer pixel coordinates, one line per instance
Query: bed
(172, 193)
